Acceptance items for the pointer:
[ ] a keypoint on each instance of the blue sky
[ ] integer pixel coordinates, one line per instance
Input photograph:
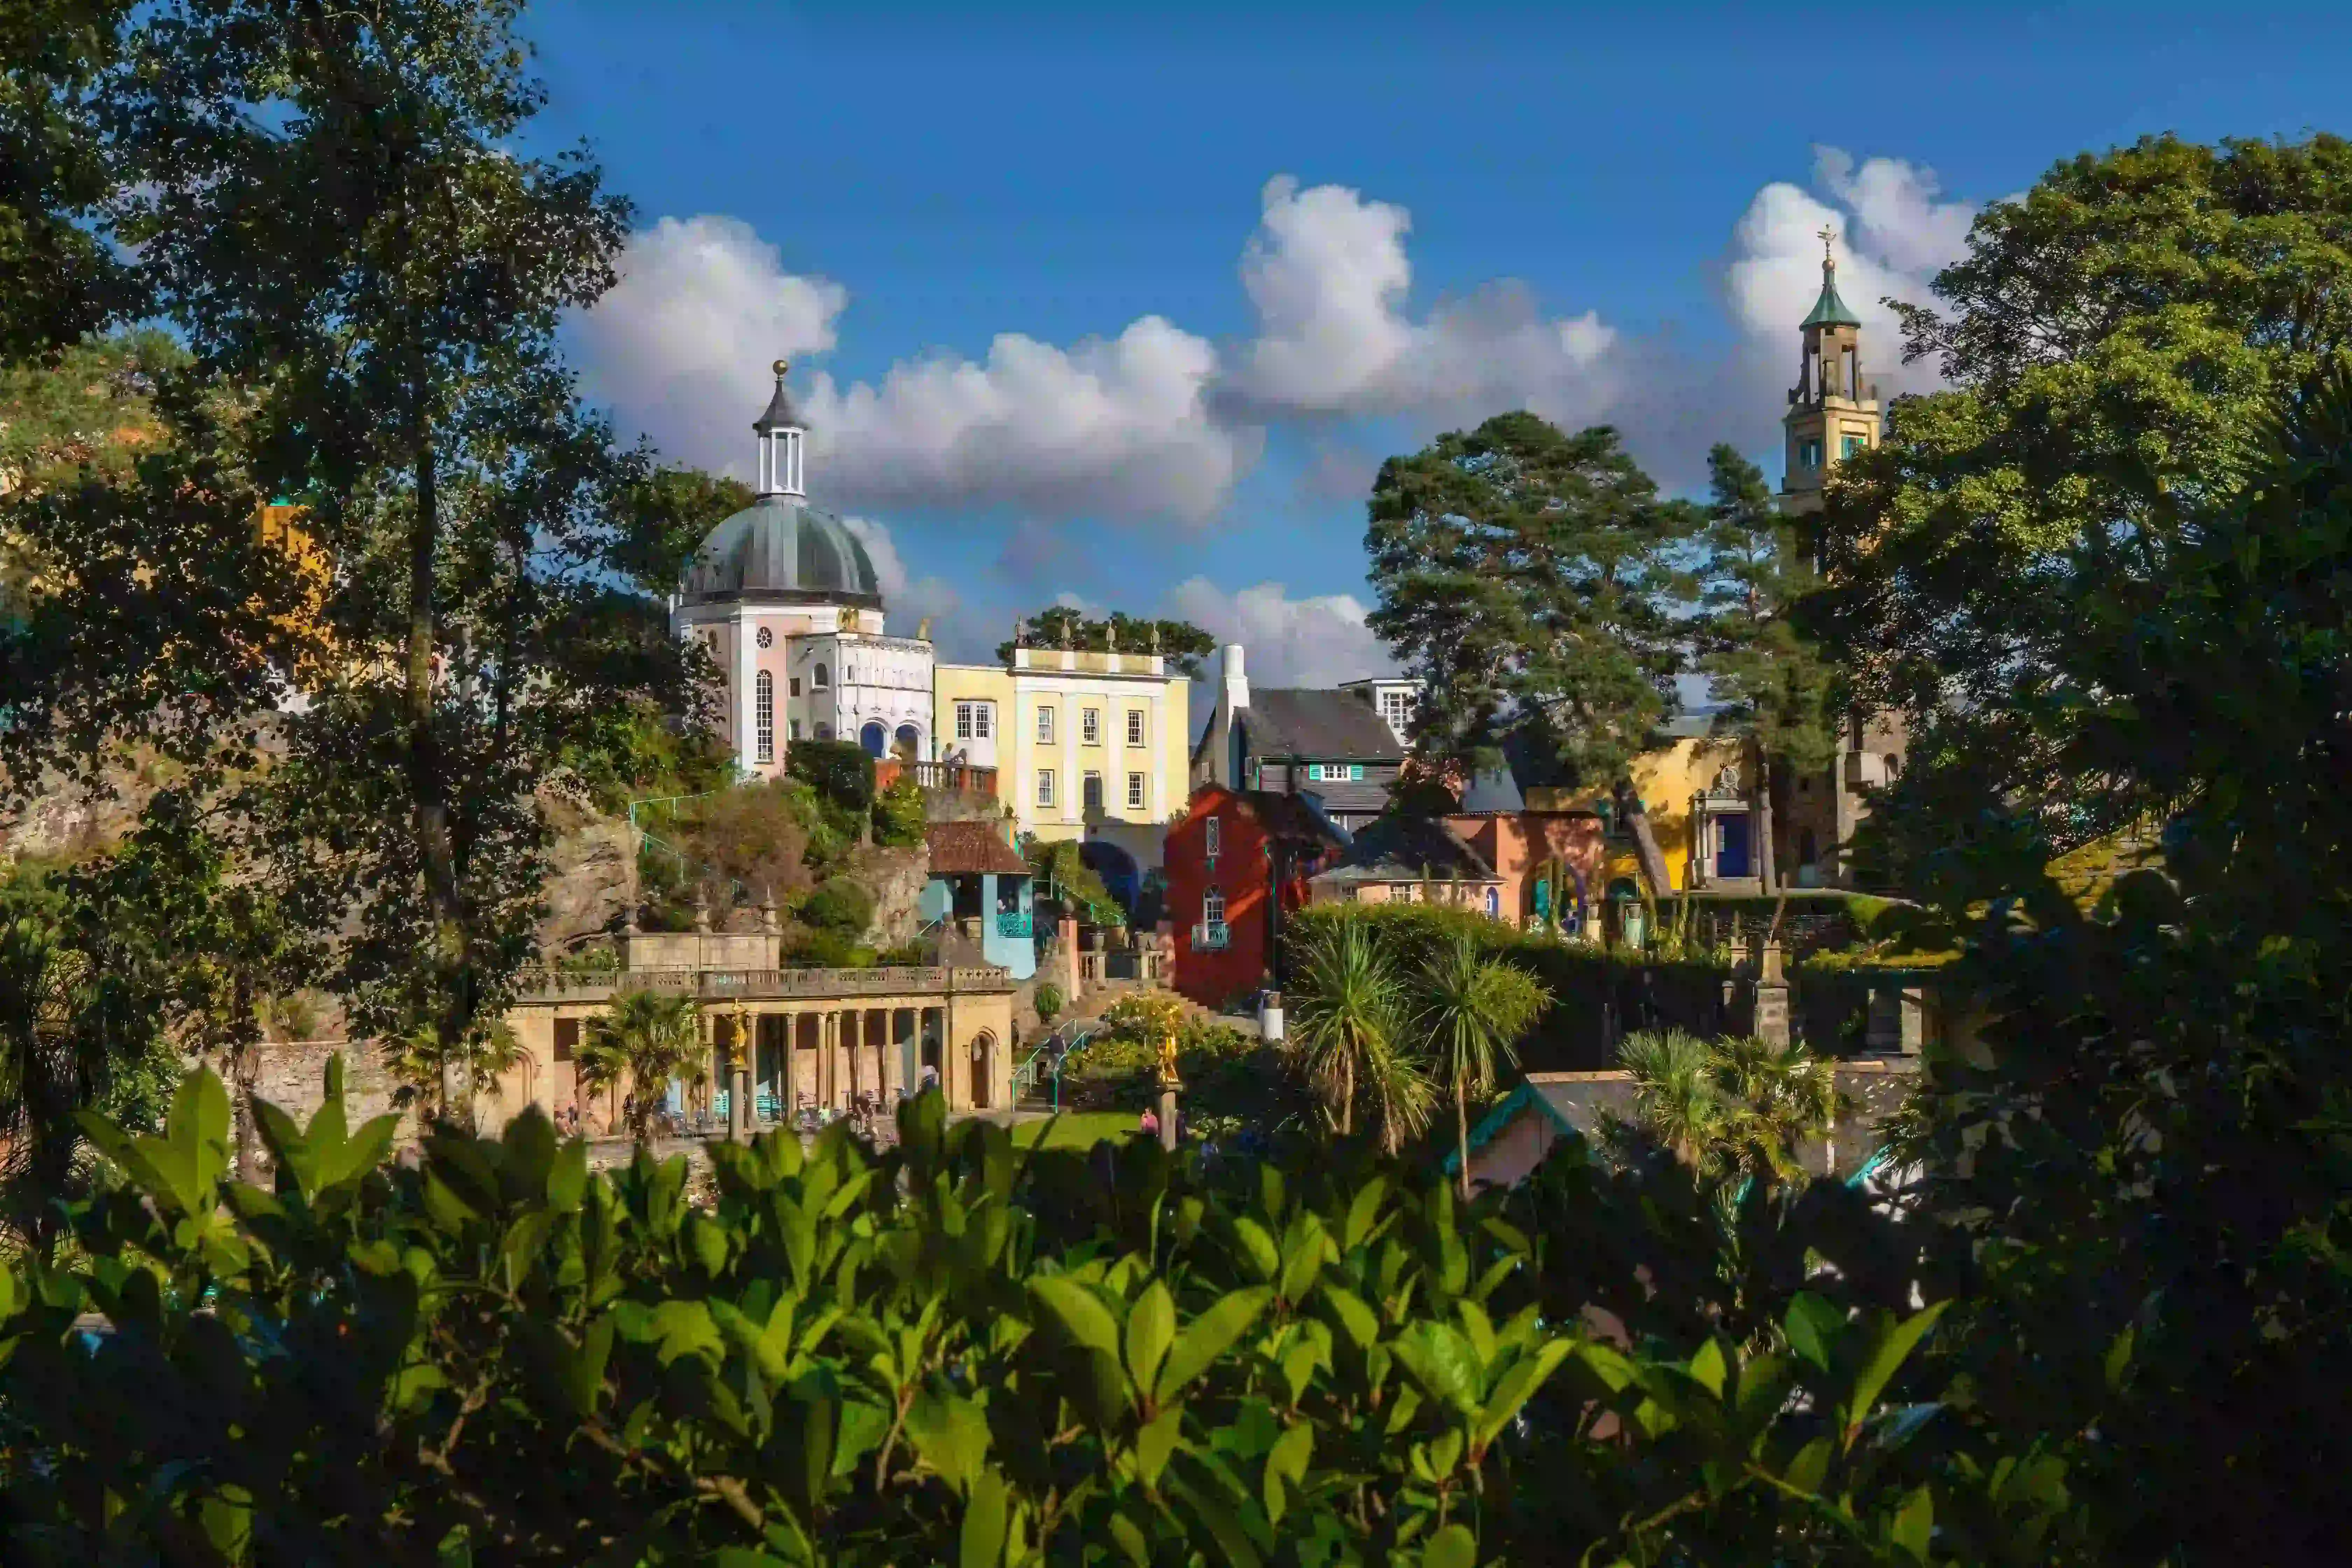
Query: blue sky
(1603, 215)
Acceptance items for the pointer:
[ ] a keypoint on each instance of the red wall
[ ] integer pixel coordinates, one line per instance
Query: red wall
(1242, 872)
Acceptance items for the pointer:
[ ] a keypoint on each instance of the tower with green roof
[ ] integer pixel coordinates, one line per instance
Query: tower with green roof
(1832, 410)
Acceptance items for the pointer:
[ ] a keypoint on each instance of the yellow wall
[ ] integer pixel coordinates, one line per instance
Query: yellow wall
(1665, 779)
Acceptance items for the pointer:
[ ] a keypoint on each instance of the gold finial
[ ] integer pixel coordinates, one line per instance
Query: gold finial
(783, 366)
(1825, 231)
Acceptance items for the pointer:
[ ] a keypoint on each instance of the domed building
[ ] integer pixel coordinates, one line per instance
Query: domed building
(786, 600)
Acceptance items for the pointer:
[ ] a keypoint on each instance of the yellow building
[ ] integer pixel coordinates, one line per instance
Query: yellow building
(1087, 746)
(1695, 791)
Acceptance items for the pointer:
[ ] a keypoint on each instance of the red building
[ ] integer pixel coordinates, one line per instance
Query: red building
(1237, 865)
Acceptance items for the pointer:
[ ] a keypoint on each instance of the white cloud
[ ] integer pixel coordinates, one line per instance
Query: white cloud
(1119, 427)
(682, 342)
(1328, 276)
(909, 600)
(1317, 641)
(1893, 231)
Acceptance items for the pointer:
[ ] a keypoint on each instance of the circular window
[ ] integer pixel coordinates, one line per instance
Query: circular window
(767, 638)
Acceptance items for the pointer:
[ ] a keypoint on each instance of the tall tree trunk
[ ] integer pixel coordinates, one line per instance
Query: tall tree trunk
(427, 782)
(1767, 873)
(1347, 1096)
(1462, 1133)
(1645, 841)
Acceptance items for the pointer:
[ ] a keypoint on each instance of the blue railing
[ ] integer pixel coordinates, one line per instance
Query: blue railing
(1014, 922)
(1211, 937)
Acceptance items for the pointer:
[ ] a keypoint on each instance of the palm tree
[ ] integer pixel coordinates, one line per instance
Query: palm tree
(1784, 1094)
(649, 1037)
(1348, 1021)
(1474, 1008)
(1676, 1099)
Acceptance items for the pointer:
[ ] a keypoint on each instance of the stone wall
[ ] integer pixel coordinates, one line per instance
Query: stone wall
(292, 1076)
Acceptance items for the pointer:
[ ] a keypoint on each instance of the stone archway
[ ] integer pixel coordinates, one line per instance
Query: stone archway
(983, 1069)
(873, 738)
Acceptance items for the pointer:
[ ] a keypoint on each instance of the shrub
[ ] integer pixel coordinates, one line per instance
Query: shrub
(1047, 1000)
(898, 815)
(839, 771)
(820, 949)
(948, 1354)
(841, 905)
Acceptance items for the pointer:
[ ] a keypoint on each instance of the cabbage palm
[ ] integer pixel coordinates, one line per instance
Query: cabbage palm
(1783, 1095)
(649, 1037)
(1474, 1009)
(1676, 1097)
(1348, 1026)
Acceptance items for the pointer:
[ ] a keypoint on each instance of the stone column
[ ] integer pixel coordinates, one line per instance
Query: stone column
(738, 1108)
(1771, 997)
(1069, 942)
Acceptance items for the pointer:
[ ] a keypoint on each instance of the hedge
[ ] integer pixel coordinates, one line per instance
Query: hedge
(1599, 995)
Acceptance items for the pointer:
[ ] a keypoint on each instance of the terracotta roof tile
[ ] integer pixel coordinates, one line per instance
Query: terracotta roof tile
(972, 849)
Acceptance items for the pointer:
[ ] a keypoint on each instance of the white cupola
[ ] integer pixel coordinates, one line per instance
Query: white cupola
(783, 441)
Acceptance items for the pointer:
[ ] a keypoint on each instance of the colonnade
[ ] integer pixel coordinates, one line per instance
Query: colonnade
(786, 1058)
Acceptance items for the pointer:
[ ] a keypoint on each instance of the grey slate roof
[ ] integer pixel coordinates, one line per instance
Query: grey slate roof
(1317, 726)
(1405, 849)
(780, 412)
(1493, 793)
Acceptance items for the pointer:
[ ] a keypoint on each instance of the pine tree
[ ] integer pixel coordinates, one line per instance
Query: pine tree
(1525, 576)
(1779, 692)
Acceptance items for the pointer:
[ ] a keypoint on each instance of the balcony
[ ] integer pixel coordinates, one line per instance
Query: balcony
(1014, 922)
(934, 778)
(1211, 936)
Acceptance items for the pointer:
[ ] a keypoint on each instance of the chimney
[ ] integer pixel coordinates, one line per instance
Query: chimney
(1237, 679)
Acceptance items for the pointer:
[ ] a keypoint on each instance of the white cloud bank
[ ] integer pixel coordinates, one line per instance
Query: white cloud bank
(1158, 422)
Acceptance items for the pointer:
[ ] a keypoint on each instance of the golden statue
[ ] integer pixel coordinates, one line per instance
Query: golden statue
(1168, 1054)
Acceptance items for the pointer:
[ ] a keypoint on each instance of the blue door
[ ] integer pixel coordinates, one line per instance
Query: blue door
(1731, 859)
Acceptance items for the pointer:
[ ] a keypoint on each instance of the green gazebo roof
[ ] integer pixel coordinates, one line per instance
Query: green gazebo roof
(1830, 310)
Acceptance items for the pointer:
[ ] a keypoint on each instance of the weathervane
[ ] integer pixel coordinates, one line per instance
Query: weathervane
(1827, 234)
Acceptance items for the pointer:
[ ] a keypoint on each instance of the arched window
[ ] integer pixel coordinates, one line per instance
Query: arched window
(821, 678)
(907, 745)
(871, 738)
(825, 731)
(764, 715)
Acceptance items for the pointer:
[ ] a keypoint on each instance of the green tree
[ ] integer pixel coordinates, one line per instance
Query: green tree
(1474, 1009)
(1183, 645)
(59, 280)
(1779, 694)
(1677, 1100)
(1351, 1031)
(1525, 576)
(645, 1039)
(668, 512)
(2110, 341)
(333, 209)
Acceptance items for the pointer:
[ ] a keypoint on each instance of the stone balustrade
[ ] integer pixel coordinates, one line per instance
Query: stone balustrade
(550, 984)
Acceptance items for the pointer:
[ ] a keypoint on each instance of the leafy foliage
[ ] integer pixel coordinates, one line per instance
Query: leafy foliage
(1185, 646)
(898, 815)
(948, 1353)
(1732, 1104)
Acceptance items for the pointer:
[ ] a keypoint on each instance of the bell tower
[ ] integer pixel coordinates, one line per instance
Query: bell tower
(1832, 410)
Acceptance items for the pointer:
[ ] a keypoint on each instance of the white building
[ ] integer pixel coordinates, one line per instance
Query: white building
(785, 598)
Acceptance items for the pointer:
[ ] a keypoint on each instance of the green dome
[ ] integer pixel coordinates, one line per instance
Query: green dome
(782, 550)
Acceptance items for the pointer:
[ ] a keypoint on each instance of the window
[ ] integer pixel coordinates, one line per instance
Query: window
(1212, 906)
(825, 731)
(971, 721)
(1213, 834)
(1400, 892)
(1135, 726)
(766, 638)
(567, 1038)
(1396, 707)
(764, 715)
(1335, 773)
(1809, 454)
(1091, 791)
(1045, 725)
(796, 728)
(1854, 444)
(796, 686)
(1090, 726)
(1044, 786)
(1135, 792)
(821, 678)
